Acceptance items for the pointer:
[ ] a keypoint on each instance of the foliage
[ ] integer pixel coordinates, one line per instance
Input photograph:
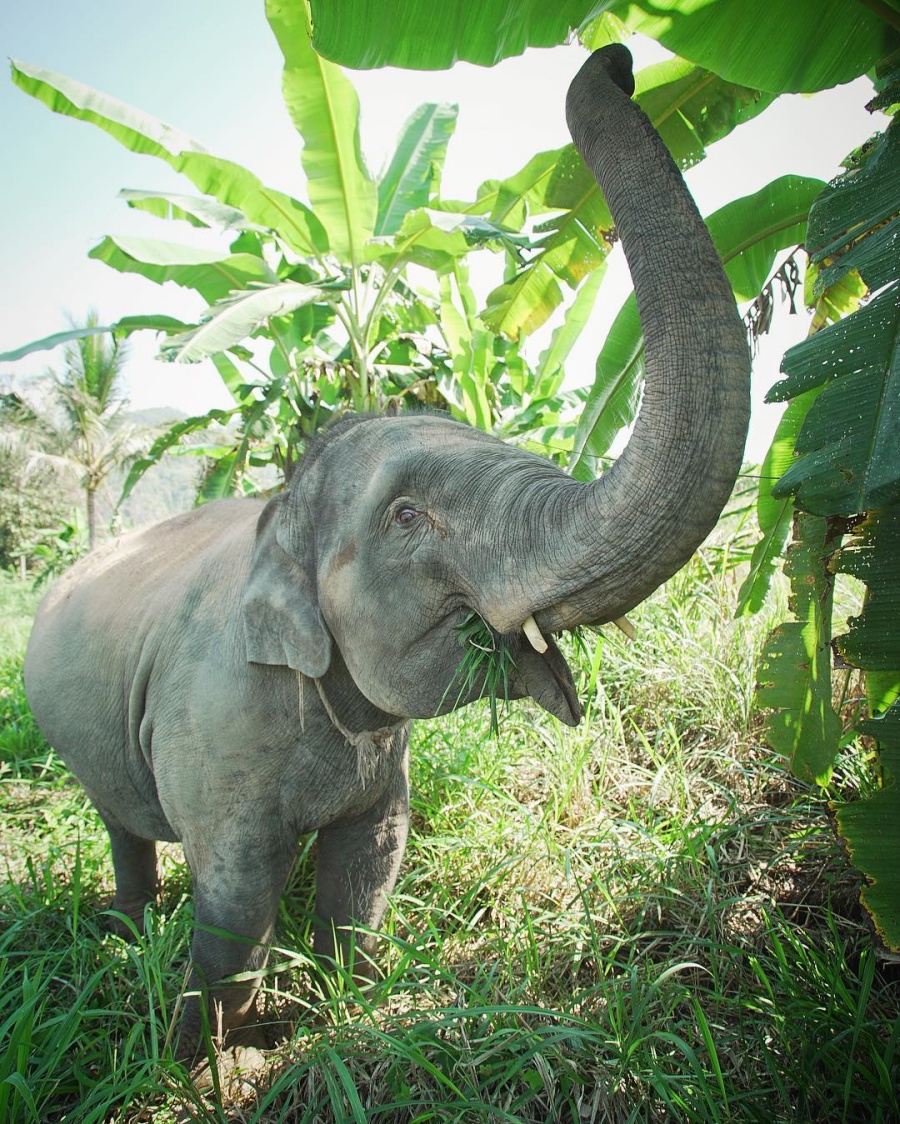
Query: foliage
(58, 547)
(312, 310)
(32, 497)
(820, 43)
(843, 425)
(637, 919)
(322, 296)
(78, 427)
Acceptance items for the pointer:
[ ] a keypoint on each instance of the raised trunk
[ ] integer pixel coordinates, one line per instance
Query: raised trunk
(611, 543)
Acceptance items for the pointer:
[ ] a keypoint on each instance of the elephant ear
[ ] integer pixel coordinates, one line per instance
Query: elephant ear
(280, 609)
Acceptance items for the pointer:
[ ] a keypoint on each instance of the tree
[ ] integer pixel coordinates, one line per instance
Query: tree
(78, 427)
(32, 498)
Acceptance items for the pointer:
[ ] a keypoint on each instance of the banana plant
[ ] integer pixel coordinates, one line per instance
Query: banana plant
(309, 307)
(833, 482)
(325, 288)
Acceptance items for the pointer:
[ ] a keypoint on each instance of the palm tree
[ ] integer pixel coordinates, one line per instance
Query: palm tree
(80, 429)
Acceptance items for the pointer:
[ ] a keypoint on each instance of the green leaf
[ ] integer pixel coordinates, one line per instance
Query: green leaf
(614, 397)
(198, 210)
(223, 478)
(749, 232)
(119, 328)
(153, 323)
(509, 201)
(233, 318)
(473, 359)
(324, 107)
(230, 375)
(871, 830)
(212, 273)
(773, 515)
(172, 438)
(795, 668)
(692, 106)
(412, 176)
(872, 554)
(855, 223)
(801, 46)
(847, 450)
(818, 43)
(550, 370)
(863, 342)
(231, 184)
(519, 307)
(423, 35)
(436, 240)
(882, 690)
(49, 342)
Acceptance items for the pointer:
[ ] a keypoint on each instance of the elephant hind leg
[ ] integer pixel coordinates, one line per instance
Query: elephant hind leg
(137, 875)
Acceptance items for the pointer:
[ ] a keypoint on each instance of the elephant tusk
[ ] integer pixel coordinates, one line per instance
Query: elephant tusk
(625, 625)
(533, 633)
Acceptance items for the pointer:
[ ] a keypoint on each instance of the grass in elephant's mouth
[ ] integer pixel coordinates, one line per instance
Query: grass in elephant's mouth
(486, 655)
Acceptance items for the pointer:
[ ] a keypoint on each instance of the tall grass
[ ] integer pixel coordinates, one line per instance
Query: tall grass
(642, 919)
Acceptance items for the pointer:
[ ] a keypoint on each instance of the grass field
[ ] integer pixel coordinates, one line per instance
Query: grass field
(643, 919)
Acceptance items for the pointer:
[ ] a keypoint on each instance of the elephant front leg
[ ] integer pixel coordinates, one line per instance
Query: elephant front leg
(235, 907)
(357, 867)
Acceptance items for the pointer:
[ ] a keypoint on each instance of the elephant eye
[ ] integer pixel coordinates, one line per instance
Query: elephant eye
(406, 515)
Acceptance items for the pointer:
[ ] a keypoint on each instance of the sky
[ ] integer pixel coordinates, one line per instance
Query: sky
(212, 69)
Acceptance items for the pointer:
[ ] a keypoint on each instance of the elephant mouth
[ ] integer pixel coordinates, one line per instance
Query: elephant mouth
(546, 677)
(513, 666)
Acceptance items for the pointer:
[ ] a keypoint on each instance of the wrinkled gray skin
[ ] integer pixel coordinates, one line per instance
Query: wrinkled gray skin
(164, 668)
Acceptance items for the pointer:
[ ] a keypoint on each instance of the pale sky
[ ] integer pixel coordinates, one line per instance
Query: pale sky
(212, 68)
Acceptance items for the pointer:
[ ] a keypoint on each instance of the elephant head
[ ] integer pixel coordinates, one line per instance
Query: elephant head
(397, 528)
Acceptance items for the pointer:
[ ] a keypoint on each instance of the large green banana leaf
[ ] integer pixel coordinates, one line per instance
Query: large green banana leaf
(871, 830)
(235, 317)
(324, 108)
(773, 515)
(795, 667)
(230, 183)
(777, 45)
(197, 210)
(413, 172)
(212, 273)
(848, 473)
(847, 450)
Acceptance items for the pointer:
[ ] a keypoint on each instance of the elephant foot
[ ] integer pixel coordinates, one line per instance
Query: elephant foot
(119, 927)
(193, 1048)
(234, 1070)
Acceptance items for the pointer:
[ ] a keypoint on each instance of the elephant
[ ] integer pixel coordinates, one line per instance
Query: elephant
(246, 673)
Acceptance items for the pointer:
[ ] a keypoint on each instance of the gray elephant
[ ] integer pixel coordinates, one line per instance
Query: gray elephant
(243, 674)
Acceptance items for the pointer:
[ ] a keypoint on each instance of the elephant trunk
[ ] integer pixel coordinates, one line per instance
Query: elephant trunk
(610, 543)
